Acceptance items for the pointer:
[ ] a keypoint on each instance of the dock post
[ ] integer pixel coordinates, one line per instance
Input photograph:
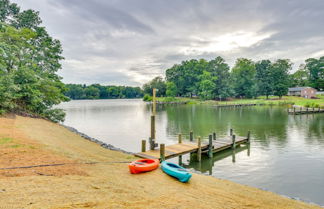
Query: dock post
(151, 141)
(231, 132)
(191, 136)
(214, 136)
(179, 138)
(210, 146)
(248, 136)
(162, 152)
(199, 149)
(180, 159)
(143, 145)
(233, 142)
(153, 127)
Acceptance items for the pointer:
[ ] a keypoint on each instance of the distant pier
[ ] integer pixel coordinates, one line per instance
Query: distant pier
(301, 110)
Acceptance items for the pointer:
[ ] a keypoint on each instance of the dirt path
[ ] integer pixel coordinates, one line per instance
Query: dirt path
(34, 141)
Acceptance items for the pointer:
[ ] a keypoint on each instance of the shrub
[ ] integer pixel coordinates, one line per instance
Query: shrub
(147, 98)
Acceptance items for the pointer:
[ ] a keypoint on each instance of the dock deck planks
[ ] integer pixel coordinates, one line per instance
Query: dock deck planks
(190, 147)
(299, 111)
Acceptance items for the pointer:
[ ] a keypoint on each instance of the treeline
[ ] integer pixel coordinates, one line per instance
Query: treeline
(215, 79)
(97, 91)
(29, 61)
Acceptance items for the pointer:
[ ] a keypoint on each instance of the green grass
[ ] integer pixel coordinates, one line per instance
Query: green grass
(285, 100)
(5, 140)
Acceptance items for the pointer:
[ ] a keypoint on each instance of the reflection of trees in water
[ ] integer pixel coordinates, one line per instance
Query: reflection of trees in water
(263, 122)
(314, 126)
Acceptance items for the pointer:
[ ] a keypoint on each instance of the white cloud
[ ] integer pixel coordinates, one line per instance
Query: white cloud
(130, 42)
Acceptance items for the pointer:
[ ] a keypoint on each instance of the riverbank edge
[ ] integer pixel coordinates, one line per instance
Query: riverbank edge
(272, 101)
(113, 148)
(100, 143)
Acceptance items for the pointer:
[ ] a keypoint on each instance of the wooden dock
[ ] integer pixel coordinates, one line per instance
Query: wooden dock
(237, 105)
(171, 151)
(299, 111)
(181, 148)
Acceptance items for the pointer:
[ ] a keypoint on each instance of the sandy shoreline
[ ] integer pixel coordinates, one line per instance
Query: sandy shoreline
(27, 141)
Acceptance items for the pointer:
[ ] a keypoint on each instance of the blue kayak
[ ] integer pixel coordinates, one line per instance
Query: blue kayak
(176, 171)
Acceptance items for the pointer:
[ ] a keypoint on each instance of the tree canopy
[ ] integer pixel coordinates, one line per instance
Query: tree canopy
(97, 91)
(29, 61)
(215, 80)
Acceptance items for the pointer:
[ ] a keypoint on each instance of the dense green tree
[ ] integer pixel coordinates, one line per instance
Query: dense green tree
(36, 89)
(157, 83)
(263, 78)
(280, 76)
(221, 78)
(315, 68)
(171, 89)
(243, 75)
(207, 85)
(186, 76)
(300, 77)
(29, 61)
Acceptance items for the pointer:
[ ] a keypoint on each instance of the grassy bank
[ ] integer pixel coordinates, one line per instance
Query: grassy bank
(25, 141)
(286, 100)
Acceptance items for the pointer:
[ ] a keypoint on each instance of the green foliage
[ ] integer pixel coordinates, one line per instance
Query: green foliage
(312, 105)
(243, 75)
(29, 60)
(157, 83)
(147, 98)
(315, 68)
(220, 71)
(280, 77)
(206, 86)
(263, 78)
(96, 91)
(171, 89)
(186, 76)
(300, 77)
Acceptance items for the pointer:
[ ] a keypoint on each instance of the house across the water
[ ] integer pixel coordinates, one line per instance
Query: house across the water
(306, 92)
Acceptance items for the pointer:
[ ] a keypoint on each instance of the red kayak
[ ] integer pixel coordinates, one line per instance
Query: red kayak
(143, 165)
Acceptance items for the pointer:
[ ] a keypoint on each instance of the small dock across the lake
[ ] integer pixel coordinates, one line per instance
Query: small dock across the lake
(213, 146)
(301, 110)
(237, 105)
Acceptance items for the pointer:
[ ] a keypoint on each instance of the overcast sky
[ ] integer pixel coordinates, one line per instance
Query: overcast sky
(128, 42)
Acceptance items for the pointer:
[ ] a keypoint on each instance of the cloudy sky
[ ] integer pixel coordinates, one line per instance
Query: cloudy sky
(128, 42)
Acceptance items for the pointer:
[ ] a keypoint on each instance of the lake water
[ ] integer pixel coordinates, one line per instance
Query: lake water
(286, 154)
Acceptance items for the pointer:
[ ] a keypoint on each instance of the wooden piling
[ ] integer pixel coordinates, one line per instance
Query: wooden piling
(180, 160)
(154, 101)
(214, 136)
(191, 136)
(179, 138)
(199, 149)
(231, 132)
(143, 145)
(210, 146)
(233, 141)
(162, 152)
(153, 127)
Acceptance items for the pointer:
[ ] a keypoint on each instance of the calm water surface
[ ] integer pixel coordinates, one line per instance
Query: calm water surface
(286, 154)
